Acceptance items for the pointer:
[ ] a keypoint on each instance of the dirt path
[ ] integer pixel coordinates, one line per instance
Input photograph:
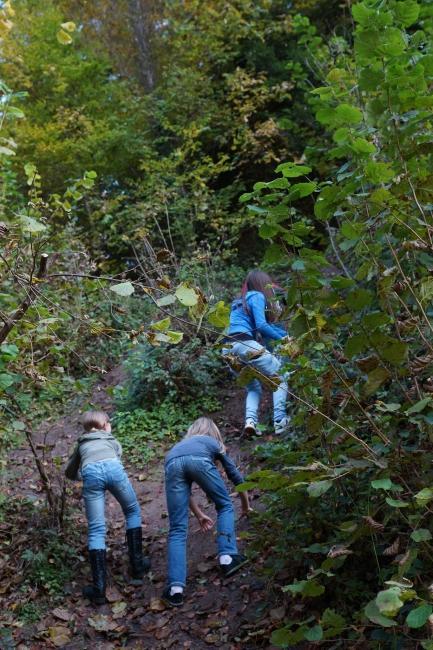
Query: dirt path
(216, 613)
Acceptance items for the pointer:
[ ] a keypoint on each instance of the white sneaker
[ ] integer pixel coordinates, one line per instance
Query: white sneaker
(250, 428)
(282, 426)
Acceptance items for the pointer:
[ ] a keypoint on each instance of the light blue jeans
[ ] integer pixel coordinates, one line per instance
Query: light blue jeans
(268, 364)
(180, 473)
(97, 478)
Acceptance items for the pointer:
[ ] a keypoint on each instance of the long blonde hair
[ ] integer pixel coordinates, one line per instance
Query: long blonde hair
(206, 427)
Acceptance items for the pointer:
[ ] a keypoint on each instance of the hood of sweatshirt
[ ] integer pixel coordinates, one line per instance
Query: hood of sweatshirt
(96, 435)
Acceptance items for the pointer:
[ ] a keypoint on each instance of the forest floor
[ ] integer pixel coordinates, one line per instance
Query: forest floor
(230, 615)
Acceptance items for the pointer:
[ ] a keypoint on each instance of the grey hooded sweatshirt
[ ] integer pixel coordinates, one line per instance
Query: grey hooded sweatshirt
(92, 447)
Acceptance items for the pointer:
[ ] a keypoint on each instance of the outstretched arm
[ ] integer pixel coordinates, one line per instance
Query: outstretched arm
(206, 523)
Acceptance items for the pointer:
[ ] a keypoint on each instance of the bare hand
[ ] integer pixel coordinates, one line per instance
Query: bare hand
(206, 523)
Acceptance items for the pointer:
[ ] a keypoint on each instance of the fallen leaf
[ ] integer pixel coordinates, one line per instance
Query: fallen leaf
(59, 635)
(62, 614)
(102, 623)
(119, 607)
(141, 477)
(278, 613)
(156, 605)
(203, 567)
(113, 595)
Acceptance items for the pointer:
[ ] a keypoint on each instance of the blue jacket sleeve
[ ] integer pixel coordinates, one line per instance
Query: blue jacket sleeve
(233, 474)
(257, 303)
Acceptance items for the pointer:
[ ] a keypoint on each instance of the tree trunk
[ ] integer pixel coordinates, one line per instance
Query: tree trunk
(141, 14)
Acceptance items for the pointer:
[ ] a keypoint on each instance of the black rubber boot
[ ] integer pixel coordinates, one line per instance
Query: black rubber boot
(96, 592)
(139, 564)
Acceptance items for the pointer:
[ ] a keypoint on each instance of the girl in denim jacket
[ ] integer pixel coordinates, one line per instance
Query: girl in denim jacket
(253, 315)
(192, 460)
(97, 458)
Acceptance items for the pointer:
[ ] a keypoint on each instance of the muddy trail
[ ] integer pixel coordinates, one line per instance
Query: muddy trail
(228, 614)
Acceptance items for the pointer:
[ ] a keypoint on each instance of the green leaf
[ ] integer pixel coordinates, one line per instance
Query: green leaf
(123, 289)
(382, 484)
(6, 380)
(418, 617)
(358, 299)
(424, 496)
(330, 619)
(421, 535)
(374, 615)
(375, 379)
(406, 12)
(174, 337)
(169, 299)
(389, 601)
(362, 146)
(374, 320)
(219, 315)
(186, 295)
(162, 325)
(419, 406)
(291, 170)
(396, 503)
(345, 114)
(318, 488)
(314, 633)
(379, 172)
(63, 37)
(392, 42)
(309, 588)
(395, 352)
(301, 190)
(69, 26)
(31, 225)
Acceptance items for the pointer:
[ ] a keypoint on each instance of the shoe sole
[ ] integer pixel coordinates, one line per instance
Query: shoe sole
(170, 604)
(250, 431)
(229, 574)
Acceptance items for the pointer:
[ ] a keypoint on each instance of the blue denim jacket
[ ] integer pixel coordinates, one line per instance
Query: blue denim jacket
(208, 448)
(255, 322)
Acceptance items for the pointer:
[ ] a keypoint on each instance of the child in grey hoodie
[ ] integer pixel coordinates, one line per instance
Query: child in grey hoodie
(96, 458)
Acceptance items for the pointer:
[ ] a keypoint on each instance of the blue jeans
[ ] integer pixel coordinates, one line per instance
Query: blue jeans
(180, 473)
(98, 477)
(268, 364)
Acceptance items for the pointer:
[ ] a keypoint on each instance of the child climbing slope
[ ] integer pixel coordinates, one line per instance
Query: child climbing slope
(253, 315)
(97, 457)
(192, 460)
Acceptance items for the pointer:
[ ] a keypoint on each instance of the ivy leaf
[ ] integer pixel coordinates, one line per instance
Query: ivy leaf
(424, 496)
(358, 299)
(123, 289)
(186, 295)
(421, 535)
(418, 617)
(309, 588)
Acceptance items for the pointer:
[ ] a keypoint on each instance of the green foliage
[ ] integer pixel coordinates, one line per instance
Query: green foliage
(51, 566)
(156, 375)
(364, 415)
(146, 433)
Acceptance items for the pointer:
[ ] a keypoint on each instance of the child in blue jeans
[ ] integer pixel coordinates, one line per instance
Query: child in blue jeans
(192, 460)
(97, 458)
(253, 315)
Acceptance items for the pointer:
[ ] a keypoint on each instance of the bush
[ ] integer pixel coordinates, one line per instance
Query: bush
(158, 374)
